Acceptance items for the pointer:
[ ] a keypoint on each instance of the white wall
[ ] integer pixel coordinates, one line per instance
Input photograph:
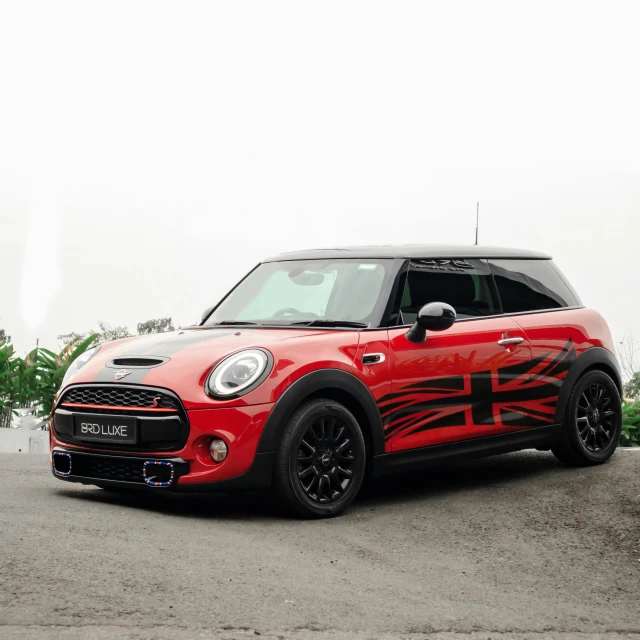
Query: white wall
(19, 441)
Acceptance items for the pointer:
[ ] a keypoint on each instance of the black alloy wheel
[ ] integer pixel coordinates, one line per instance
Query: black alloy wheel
(593, 421)
(326, 459)
(595, 417)
(321, 459)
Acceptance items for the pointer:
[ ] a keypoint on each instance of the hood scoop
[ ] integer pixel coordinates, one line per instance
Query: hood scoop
(138, 361)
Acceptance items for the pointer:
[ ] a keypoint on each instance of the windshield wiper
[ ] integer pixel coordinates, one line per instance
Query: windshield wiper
(330, 323)
(228, 322)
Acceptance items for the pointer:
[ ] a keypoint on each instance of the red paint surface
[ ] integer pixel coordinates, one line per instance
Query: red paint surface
(468, 348)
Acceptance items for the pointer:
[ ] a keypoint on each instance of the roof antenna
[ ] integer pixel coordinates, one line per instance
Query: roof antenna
(477, 219)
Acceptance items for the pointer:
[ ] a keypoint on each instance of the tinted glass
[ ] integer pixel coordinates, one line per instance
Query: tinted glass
(531, 285)
(299, 291)
(464, 284)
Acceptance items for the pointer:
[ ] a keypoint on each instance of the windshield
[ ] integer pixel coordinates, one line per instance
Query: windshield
(308, 292)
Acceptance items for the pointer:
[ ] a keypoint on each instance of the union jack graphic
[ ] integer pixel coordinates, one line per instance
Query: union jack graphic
(520, 396)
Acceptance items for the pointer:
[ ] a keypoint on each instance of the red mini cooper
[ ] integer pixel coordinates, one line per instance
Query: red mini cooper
(321, 367)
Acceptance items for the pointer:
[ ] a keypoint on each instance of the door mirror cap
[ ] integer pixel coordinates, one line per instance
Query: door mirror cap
(206, 314)
(435, 316)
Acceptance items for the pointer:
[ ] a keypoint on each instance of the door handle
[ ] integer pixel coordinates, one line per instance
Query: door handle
(505, 342)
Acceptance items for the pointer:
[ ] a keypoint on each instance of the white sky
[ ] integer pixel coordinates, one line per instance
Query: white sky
(151, 153)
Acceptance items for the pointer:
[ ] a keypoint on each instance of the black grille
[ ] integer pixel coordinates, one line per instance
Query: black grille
(137, 362)
(161, 422)
(105, 468)
(121, 397)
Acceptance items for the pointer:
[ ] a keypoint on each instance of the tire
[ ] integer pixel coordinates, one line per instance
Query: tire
(592, 423)
(320, 461)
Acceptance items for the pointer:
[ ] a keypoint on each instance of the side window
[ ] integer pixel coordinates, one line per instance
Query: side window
(464, 284)
(531, 285)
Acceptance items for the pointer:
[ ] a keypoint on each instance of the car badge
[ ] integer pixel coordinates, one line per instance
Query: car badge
(118, 375)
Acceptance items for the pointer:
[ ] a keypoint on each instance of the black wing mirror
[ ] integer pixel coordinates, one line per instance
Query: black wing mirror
(435, 316)
(206, 314)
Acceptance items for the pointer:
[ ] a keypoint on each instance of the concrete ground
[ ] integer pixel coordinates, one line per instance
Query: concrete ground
(517, 546)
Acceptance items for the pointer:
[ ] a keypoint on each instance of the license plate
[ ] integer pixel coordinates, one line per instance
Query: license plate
(102, 428)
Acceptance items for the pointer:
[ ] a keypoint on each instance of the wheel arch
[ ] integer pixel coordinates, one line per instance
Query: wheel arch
(336, 384)
(593, 359)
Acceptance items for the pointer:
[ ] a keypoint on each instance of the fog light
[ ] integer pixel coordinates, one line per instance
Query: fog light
(218, 450)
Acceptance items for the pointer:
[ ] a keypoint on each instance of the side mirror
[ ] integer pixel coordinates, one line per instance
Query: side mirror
(206, 314)
(435, 316)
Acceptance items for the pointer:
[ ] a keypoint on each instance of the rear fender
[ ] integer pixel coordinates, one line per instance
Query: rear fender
(593, 358)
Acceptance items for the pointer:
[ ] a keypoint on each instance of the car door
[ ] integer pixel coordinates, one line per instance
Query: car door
(461, 383)
(550, 312)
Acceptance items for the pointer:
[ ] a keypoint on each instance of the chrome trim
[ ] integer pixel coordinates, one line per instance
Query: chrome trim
(505, 342)
(378, 358)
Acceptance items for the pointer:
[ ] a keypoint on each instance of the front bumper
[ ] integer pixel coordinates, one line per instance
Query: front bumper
(189, 469)
(135, 472)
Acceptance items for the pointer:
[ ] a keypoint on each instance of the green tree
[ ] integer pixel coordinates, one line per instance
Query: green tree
(631, 387)
(158, 325)
(66, 338)
(18, 382)
(107, 333)
(630, 436)
(34, 381)
(52, 367)
(7, 368)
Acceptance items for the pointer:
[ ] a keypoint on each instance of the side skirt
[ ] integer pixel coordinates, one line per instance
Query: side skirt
(465, 450)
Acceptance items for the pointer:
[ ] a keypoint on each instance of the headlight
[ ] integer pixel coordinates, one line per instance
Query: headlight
(239, 373)
(78, 363)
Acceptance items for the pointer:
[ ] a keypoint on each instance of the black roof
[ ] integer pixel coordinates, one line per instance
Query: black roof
(411, 251)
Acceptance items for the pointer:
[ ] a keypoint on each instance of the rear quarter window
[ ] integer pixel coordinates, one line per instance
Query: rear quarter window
(531, 285)
(464, 284)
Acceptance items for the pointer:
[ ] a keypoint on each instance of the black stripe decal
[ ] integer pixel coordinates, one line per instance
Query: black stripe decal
(162, 344)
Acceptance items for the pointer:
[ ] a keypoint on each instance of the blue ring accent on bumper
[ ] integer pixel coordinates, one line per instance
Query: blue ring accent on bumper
(53, 464)
(151, 483)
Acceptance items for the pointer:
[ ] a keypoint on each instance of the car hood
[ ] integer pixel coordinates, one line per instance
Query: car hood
(189, 354)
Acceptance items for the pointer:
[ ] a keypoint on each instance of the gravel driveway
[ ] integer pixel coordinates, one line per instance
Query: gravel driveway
(516, 546)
